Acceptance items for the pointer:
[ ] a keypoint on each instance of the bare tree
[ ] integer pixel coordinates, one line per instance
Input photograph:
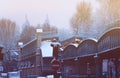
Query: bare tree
(109, 13)
(8, 33)
(64, 34)
(110, 9)
(48, 28)
(28, 34)
(106, 16)
(80, 22)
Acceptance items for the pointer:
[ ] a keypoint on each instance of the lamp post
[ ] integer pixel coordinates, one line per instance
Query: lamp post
(39, 61)
(39, 33)
(20, 44)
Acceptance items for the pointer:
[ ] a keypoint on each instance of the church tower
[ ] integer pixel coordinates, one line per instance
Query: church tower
(26, 23)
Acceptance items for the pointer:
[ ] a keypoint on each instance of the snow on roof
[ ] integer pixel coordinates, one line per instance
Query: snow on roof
(46, 48)
(56, 43)
(74, 44)
(14, 53)
(92, 39)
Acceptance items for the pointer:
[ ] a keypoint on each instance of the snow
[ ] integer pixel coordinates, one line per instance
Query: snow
(46, 48)
(74, 44)
(93, 39)
(13, 53)
(16, 53)
(56, 43)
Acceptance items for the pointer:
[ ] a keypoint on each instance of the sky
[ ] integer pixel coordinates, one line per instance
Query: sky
(59, 12)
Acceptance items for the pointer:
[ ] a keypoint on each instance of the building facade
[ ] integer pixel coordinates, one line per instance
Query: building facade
(93, 59)
(89, 59)
(32, 63)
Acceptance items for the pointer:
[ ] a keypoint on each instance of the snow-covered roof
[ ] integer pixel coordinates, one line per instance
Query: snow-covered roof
(46, 48)
(14, 53)
(92, 39)
(56, 43)
(74, 44)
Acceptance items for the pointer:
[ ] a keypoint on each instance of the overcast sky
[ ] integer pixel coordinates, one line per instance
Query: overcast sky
(58, 11)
